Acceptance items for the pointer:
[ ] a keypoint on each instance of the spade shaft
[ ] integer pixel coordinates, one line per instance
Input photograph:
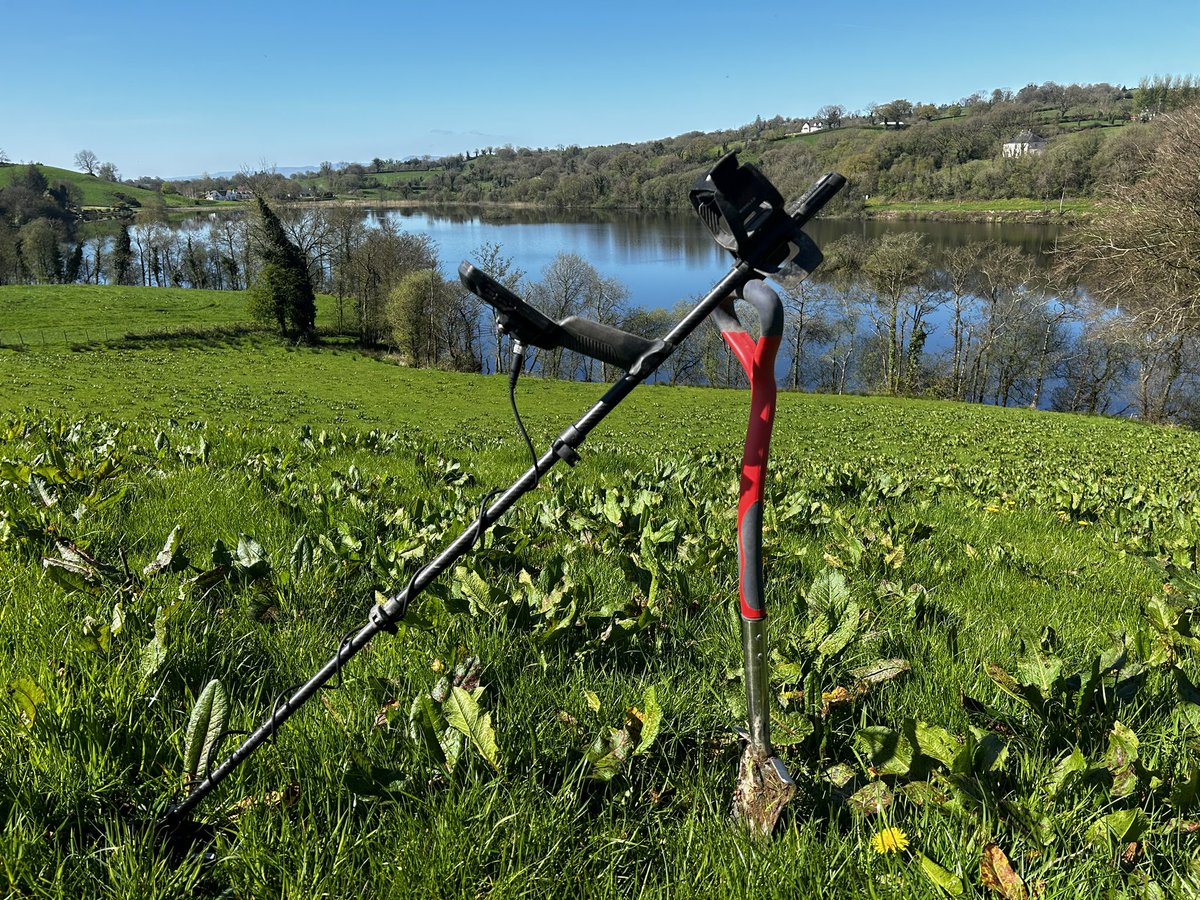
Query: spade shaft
(764, 785)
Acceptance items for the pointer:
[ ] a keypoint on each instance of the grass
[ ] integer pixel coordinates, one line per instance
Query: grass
(1010, 520)
(390, 178)
(64, 315)
(1017, 205)
(97, 194)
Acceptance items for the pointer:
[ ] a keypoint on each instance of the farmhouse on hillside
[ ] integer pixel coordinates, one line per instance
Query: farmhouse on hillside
(1027, 143)
(231, 194)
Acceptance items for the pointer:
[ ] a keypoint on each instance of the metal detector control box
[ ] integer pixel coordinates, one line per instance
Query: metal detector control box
(748, 217)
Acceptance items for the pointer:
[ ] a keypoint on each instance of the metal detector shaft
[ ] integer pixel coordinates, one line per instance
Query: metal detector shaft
(385, 616)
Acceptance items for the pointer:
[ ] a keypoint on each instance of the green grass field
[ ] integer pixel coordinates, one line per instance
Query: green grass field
(950, 207)
(1013, 560)
(391, 178)
(97, 194)
(57, 315)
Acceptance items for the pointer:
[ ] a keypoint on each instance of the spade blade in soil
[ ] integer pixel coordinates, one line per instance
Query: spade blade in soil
(763, 789)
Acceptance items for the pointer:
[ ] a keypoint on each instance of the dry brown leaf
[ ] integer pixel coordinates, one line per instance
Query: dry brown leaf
(996, 873)
(838, 695)
(271, 800)
(381, 718)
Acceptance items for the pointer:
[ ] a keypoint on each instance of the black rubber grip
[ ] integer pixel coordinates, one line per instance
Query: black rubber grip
(750, 560)
(816, 197)
(603, 342)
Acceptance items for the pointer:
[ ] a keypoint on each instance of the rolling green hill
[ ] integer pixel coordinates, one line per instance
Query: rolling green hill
(97, 194)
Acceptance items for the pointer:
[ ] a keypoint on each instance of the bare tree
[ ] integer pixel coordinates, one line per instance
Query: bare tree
(895, 273)
(490, 258)
(840, 351)
(956, 278)
(1002, 272)
(310, 230)
(1142, 248)
(376, 266)
(831, 114)
(87, 161)
(1161, 350)
(1099, 364)
(230, 239)
(566, 286)
(807, 303)
(1060, 304)
(346, 232)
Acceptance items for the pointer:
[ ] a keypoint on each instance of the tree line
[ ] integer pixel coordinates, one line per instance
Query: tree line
(38, 236)
(899, 149)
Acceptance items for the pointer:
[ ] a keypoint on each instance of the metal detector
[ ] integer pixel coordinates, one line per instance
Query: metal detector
(747, 217)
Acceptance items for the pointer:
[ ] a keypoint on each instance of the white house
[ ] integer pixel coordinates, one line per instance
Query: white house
(812, 127)
(231, 194)
(1025, 143)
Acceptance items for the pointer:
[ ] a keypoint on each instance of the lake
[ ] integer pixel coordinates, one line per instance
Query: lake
(660, 257)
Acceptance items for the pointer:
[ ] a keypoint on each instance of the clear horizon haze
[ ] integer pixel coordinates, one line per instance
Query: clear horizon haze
(179, 89)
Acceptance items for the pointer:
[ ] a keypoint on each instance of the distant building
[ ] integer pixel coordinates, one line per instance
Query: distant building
(1025, 143)
(812, 127)
(231, 194)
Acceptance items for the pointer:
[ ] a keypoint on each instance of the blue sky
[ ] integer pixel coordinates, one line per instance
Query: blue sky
(177, 88)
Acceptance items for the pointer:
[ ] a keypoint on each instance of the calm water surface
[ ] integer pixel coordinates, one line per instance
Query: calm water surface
(661, 258)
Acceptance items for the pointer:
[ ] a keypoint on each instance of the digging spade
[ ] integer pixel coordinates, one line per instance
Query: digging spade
(748, 218)
(763, 784)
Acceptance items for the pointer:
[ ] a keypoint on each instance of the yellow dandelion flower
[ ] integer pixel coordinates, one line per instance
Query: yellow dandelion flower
(890, 840)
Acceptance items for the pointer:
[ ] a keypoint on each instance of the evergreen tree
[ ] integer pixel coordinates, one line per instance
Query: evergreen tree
(74, 265)
(34, 179)
(284, 291)
(122, 257)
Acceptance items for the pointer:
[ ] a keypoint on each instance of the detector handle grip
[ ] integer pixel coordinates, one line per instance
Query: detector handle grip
(604, 342)
(514, 316)
(528, 325)
(821, 192)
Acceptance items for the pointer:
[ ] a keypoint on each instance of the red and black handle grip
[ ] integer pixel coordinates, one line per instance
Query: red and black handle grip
(758, 360)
